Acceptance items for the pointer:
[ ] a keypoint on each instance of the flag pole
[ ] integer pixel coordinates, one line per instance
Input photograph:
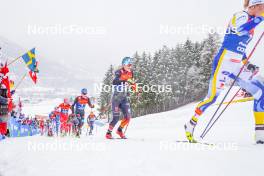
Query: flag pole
(14, 60)
(17, 58)
(21, 80)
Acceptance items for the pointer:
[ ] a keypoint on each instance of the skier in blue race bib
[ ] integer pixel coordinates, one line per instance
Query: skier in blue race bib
(55, 119)
(78, 107)
(90, 121)
(228, 63)
(120, 100)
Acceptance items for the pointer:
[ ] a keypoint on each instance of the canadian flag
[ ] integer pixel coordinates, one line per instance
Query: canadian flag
(33, 76)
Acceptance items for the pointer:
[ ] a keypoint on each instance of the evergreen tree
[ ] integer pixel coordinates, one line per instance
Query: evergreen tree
(186, 68)
(106, 92)
(209, 50)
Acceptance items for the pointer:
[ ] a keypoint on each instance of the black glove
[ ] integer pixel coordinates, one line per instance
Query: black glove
(251, 67)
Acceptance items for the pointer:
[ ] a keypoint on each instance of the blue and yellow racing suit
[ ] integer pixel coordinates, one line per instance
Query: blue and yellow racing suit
(228, 63)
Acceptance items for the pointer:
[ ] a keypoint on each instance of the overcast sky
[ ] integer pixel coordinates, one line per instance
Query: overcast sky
(122, 26)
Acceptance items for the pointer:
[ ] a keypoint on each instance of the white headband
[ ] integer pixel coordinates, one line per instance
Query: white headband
(255, 2)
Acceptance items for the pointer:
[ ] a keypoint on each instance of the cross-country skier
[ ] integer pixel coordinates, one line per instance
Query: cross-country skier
(41, 126)
(64, 115)
(49, 125)
(120, 99)
(55, 119)
(90, 121)
(229, 61)
(79, 104)
(75, 124)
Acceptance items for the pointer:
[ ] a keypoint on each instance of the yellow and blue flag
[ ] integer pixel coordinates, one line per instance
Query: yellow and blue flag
(30, 60)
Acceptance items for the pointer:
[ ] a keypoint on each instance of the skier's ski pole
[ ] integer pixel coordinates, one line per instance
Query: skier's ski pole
(22, 79)
(221, 113)
(87, 131)
(16, 59)
(232, 85)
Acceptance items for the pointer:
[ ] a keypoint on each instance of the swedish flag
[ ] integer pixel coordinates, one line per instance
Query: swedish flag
(30, 60)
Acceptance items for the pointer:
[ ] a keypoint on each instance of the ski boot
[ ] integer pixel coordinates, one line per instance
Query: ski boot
(259, 136)
(108, 135)
(189, 129)
(63, 134)
(90, 133)
(78, 134)
(120, 133)
(50, 133)
(260, 142)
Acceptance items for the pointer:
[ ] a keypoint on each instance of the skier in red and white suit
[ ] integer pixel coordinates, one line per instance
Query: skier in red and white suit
(64, 115)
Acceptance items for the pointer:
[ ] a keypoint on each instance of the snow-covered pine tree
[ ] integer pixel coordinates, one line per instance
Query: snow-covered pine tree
(210, 47)
(194, 80)
(187, 68)
(106, 93)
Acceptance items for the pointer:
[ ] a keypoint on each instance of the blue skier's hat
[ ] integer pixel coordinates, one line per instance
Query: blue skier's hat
(127, 61)
(84, 91)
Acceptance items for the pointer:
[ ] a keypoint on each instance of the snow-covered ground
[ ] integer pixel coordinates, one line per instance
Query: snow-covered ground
(151, 149)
